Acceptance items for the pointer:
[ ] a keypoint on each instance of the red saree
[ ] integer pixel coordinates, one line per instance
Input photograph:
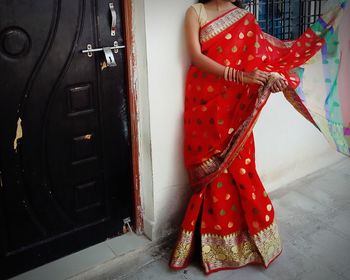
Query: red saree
(234, 213)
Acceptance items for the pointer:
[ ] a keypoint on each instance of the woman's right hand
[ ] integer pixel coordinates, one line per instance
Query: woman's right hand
(255, 77)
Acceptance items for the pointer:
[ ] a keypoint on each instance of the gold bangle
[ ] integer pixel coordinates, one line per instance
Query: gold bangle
(234, 75)
(225, 73)
(230, 74)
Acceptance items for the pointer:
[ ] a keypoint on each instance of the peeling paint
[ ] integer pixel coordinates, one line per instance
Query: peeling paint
(103, 65)
(19, 133)
(87, 137)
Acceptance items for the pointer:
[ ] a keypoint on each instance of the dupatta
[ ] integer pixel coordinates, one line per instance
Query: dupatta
(329, 72)
(235, 39)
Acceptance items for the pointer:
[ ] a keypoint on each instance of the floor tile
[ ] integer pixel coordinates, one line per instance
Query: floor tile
(70, 265)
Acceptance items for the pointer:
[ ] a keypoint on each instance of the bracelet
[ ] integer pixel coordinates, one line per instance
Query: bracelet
(226, 73)
(231, 74)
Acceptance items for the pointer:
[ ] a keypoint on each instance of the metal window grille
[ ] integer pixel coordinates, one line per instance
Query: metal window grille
(285, 19)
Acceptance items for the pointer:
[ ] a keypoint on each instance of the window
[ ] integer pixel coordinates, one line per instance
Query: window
(285, 19)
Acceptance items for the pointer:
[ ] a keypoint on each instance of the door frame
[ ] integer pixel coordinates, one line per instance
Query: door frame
(133, 112)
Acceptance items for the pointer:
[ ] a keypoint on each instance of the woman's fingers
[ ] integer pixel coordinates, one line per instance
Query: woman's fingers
(259, 82)
(283, 84)
(279, 85)
(274, 89)
(264, 79)
(261, 78)
(264, 74)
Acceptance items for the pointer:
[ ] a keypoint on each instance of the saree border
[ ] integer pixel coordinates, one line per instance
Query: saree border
(183, 250)
(294, 99)
(277, 42)
(229, 251)
(212, 29)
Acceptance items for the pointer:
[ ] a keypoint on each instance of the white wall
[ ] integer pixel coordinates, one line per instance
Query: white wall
(167, 61)
(287, 146)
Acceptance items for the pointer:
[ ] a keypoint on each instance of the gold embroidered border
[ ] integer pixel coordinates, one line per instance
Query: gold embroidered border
(238, 249)
(269, 243)
(221, 24)
(182, 250)
(277, 42)
(292, 97)
(233, 250)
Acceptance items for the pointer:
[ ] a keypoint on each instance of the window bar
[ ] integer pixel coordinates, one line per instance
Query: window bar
(263, 9)
(309, 14)
(305, 14)
(315, 11)
(273, 16)
(255, 8)
(282, 20)
(319, 7)
(288, 24)
(285, 29)
(301, 3)
(290, 20)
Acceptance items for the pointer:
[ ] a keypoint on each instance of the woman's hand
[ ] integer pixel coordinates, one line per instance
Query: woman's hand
(256, 77)
(279, 85)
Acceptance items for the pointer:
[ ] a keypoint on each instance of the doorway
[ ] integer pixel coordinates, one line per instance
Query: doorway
(65, 146)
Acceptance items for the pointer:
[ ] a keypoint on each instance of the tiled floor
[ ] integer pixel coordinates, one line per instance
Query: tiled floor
(314, 219)
(99, 254)
(313, 214)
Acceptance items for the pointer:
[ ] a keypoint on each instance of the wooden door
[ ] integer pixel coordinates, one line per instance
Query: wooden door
(66, 181)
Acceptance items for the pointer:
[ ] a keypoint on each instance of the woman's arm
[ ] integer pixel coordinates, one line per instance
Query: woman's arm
(207, 64)
(192, 39)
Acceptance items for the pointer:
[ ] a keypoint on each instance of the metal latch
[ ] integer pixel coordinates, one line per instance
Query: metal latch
(114, 19)
(127, 222)
(109, 57)
(107, 52)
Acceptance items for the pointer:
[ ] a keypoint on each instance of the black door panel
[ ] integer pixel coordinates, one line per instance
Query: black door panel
(68, 183)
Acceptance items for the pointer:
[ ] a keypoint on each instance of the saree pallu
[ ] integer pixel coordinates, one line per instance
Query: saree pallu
(328, 72)
(235, 216)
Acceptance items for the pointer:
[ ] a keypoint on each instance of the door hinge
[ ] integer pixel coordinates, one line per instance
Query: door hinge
(126, 226)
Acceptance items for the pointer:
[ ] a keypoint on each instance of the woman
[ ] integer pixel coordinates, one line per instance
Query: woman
(235, 67)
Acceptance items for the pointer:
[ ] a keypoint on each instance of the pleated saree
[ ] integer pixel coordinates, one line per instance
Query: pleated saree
(235, 216)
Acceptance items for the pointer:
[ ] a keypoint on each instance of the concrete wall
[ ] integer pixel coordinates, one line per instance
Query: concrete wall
(287, 146)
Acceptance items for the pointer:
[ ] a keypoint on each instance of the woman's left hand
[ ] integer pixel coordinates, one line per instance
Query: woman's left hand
(279, 85)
